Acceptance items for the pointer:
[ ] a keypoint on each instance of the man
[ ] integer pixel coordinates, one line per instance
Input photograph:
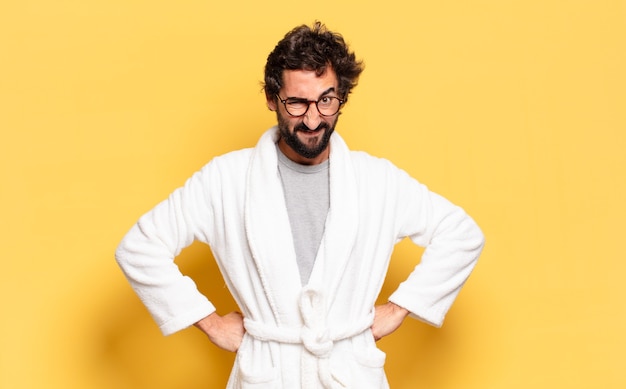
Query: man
(302, 229)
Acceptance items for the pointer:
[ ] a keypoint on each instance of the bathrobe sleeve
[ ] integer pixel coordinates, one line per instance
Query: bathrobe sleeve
(146, 255)
(452, 242)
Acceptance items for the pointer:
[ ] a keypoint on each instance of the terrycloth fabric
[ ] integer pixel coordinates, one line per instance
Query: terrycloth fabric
(318, 336)
(315, 336)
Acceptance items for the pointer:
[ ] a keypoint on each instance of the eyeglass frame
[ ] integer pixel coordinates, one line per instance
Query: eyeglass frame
(308, 104)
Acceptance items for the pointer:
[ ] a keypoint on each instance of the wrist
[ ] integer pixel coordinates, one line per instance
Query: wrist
(208, 323)
(398, 310)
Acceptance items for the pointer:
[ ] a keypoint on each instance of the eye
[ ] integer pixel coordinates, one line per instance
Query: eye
(296, 103)
(326, 100)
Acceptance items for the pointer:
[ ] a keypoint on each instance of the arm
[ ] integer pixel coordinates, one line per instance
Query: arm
(453, 243)
(146, 256)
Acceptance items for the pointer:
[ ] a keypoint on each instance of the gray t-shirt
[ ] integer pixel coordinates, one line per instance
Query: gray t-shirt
(306, 189)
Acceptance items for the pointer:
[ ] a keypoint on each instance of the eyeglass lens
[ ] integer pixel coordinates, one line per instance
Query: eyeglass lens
(326, 106)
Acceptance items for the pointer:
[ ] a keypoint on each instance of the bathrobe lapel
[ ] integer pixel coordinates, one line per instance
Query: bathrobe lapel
(341, 223)
(269, 232)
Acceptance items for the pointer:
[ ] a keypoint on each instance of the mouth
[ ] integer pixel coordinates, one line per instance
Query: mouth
(304, 129)
(311, 132)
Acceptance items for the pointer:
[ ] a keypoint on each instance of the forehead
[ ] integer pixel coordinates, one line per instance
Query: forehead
(306, 84)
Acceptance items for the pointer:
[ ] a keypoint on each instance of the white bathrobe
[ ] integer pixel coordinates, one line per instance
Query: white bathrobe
(316, 335)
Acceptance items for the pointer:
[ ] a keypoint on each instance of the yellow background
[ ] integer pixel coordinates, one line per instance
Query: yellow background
(515, 110)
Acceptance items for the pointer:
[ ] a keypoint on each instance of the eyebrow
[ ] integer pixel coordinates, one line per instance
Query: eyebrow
(327, 91)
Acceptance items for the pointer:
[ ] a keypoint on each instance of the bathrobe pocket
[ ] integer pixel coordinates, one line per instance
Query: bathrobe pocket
(255, 365)
(367, 354)
(359, 364)
(370, 361)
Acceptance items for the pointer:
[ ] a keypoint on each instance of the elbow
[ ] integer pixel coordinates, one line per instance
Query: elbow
(119, 253)
(478, 238)
(481, 238)
(473, 234)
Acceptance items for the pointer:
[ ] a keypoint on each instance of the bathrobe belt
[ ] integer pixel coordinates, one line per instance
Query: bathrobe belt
(314, 335)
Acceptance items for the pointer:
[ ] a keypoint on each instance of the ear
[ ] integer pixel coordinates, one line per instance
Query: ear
(271, 102)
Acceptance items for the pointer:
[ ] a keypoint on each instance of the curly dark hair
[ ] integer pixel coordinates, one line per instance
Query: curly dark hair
(312, 48)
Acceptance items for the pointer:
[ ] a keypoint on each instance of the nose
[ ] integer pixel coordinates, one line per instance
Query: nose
(312, 118)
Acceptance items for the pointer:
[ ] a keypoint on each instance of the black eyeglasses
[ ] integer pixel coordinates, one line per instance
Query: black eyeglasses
(326, 105)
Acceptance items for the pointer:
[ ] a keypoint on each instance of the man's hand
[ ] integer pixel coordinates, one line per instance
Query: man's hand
(387, 318)
(226, 332)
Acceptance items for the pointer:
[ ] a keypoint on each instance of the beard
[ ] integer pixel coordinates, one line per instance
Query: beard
(315, 146)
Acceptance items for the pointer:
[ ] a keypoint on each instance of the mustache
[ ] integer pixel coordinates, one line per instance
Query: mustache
(302, 127)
